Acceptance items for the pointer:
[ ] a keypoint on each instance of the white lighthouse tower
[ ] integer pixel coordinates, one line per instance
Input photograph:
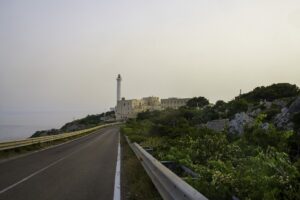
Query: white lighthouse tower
(119, 79)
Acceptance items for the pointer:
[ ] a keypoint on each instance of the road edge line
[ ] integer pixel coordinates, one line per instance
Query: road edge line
(45, 168)
(46, 148)
(117, 188)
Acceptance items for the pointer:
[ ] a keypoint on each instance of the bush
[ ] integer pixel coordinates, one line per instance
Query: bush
(237, 106)
(220, 106)
(197, 102)
(272, 112)
(296, 120)
(264, 138)
(255, 165)
(272, 92)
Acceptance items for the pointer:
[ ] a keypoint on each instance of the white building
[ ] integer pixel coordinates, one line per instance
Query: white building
(127, 109)
(173, 103)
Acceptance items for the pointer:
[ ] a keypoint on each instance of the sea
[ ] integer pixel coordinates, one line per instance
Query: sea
(21, 125)
(18, 132)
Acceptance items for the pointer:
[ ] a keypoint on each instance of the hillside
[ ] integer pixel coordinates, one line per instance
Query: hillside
(80, 124)
(247, 148)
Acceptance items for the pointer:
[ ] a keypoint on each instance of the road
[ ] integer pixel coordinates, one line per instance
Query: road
(83, 169)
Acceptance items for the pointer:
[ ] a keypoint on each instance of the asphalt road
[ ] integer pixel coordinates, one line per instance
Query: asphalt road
(83, 169)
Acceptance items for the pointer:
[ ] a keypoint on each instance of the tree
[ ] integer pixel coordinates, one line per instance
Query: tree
(220, 105)
(197, 102)
(236, 106)
(272, 92)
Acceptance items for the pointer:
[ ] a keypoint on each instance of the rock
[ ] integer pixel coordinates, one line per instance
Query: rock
(290, 126)
(217, 125)
(265, 126)
(283, 118)
(255, 113)
(295, 106)
(237, 124)
(266, 104)
(279, 102)
(235, 198)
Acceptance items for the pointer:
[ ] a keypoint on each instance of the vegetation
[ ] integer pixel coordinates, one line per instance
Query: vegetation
(272, 92)
(88, 121)
(253, 166)
(296, 120)
(262, 163)
(197, 102)
(135, 182)
(236, 106)
(76, 125)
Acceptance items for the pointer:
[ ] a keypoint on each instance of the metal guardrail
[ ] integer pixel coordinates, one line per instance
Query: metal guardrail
(169, 185)
(43, 139)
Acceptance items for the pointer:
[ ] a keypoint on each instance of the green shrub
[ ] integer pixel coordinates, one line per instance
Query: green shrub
(237, 106)
(272, 92)
(272, 112)
(296, 120)
(256, 165)
(197, 102)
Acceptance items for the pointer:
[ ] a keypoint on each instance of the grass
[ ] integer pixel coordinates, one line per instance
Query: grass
(135, 183)
(9, 153)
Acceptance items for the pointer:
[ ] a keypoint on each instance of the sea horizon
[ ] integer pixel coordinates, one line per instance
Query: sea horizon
(18, 132)
(21, 125)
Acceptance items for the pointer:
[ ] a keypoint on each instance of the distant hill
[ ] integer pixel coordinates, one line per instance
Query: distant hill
(272, 92)
(79, 124)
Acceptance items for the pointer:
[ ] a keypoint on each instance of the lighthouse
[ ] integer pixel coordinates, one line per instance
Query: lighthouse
(119, 79)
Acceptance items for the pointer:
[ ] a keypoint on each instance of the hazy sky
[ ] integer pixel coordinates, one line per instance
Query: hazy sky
(64, 55)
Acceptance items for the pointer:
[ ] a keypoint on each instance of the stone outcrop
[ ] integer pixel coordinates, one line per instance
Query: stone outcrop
(265, 126)
(280, 102)
(237, 124)
(283, 119)
(255, 112)
(217, 125)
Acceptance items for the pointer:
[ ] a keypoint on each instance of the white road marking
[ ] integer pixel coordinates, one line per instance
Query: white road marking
(31, 175)
(117, 190)
(48, 166)
(46, 148)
